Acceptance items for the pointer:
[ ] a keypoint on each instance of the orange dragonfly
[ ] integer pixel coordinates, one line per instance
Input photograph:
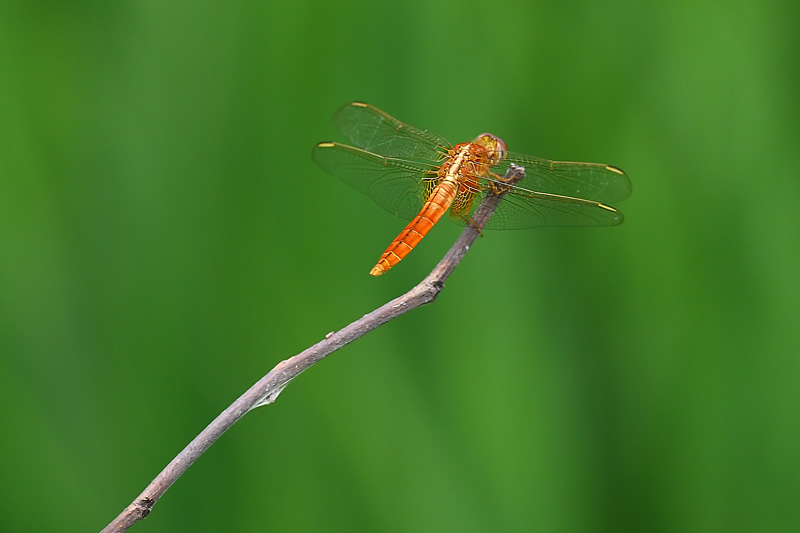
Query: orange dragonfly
(418, 175)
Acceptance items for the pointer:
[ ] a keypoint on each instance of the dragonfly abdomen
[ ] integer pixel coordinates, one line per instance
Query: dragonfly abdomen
(438, 202)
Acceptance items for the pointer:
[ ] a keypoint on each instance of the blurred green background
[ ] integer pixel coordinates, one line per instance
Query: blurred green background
(165, 240)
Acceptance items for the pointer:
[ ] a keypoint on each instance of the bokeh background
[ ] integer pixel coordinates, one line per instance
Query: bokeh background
(165, 240)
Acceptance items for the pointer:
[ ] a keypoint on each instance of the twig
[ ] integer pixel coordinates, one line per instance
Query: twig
(267, 389)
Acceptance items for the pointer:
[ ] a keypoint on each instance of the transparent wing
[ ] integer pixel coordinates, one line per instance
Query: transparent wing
(522, 209)
(378, 132)
(527, 208)
(395, 184)
(592, 181)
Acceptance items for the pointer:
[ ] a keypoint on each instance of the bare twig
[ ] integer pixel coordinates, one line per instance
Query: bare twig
(267, 389)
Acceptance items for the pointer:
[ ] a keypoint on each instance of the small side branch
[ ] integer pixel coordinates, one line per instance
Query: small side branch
(267, 389)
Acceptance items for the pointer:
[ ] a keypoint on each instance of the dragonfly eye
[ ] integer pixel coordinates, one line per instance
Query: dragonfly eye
(494, 145)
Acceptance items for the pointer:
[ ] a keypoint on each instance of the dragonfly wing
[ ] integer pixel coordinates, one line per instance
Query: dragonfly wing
(592, 181)
(395, 184)
(378, 132)
(523, 208)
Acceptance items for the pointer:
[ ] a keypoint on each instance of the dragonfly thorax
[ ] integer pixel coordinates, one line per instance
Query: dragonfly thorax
(465, 163)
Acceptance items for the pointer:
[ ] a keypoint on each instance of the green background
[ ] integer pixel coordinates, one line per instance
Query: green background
(165, 240)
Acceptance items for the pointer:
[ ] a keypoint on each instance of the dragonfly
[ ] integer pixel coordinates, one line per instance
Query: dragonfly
(419, 176)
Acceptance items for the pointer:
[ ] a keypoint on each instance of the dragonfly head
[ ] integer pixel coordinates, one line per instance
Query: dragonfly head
(494, 145)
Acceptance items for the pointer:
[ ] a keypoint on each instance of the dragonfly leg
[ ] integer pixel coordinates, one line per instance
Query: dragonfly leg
(497, 182)
(466, 218)
(499, 178)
